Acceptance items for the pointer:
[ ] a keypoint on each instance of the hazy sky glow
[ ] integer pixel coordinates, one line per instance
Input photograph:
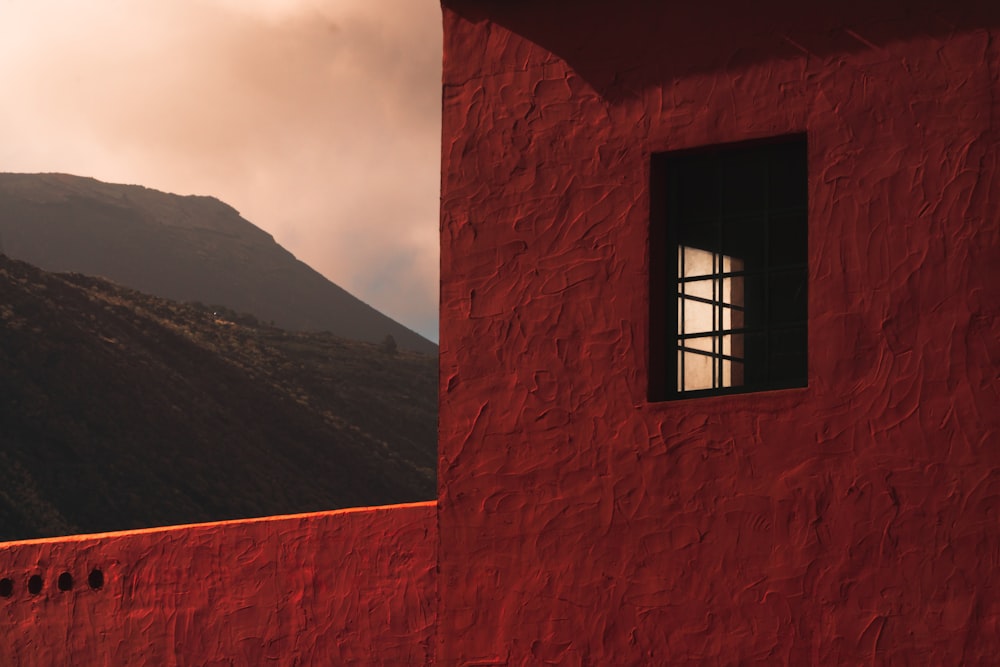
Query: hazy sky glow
(318, 120)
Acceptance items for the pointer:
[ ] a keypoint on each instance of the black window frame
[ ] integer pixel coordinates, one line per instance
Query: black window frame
(689, 199)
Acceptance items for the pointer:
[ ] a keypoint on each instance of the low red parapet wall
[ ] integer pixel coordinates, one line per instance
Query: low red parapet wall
(332, 588)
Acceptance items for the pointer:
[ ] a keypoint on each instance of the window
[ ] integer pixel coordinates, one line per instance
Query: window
(728, 276)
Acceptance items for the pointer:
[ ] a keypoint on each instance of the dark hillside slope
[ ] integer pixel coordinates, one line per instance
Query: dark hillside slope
(182, 248)
(119, 410)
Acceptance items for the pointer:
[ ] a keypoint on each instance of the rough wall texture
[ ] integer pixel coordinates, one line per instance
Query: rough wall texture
(350, 587)
(853, 521)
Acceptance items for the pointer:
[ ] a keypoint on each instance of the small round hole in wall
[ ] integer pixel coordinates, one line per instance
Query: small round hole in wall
(96, 579)
(65, 581)
(6, 587)
(35, 584)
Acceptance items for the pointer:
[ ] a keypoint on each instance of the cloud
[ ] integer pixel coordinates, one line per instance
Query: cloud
(319, 121)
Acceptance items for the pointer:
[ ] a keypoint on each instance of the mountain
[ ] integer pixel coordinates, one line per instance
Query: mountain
(121, 410)
(186, 248)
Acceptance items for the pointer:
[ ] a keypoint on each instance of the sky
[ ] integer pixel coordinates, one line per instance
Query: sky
(319, 120)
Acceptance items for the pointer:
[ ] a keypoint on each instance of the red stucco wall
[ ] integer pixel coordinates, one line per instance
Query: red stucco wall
(350, 587)
(853, 521)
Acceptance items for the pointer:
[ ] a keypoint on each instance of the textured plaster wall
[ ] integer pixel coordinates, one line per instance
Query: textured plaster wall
(350, 587)
(853, 521)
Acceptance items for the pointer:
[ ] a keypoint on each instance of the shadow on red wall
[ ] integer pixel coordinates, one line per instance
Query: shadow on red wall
(641, 48)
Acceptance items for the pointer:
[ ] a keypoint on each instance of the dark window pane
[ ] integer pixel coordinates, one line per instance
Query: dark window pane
(787, 242)
(703, 235)
(744, 183)
(696, 188)
(788, 356)
(787, 299)
(753, 301)
(743, 239)
(788, 184)
(755, 359)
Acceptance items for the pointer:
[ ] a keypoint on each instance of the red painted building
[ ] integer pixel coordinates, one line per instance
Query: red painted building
(719, 359)
(837, 504)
